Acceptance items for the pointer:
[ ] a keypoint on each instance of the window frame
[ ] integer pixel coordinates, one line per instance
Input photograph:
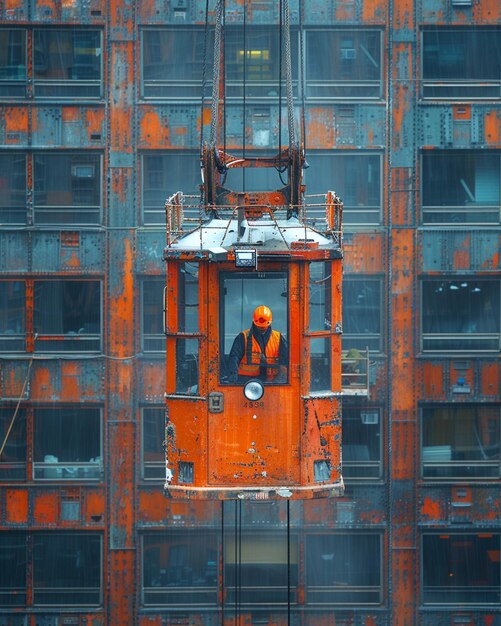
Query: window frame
(368, 463)
(147, 337)
(8, 83)
(375, 337)
(150, 465)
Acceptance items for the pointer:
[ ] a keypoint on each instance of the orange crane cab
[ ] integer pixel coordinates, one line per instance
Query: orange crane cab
(262, 424)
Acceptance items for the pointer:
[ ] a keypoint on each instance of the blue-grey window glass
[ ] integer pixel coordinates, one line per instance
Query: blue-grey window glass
(12, 188)
(173, 63)
(12, 315)
(319, 297)
(362, 442)
(67, 188)
(461, 187)
(362, 314)
(188, 298)
(461, 441)
(320, 364)
(152, 314)
(343, 64)
(13, 569)
(461, 315)
(67, 63)
(67, 315)
(165, 174)
(461, 62)
(13, 433)
(12, 62)
(355, 178)
(187, 366)
(343, 569)
(461, 569)
(153, 421)
(180, 569)
(67, 569)
(67, 444)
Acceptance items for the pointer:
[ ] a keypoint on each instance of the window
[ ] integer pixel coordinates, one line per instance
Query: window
(343, 64)
(241, 294)
(152, 314)
(67, 63)
(461, 569)
(153, 421)
(461, 441)
(67, 188)
(362, 312)
(67, 315)
(180, 569)
(173, 63)
(356, 179)
(460, 315)
(67, 444)
(362, 442)
(12, 316)
(343, 569)
(164, 175)
(67, 569)
(12, 188)
(12, 63)
(461, 187)
(12, 569)
(461, 63)
(13, 435)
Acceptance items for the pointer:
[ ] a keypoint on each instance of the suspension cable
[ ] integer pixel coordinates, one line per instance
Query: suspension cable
(244, 89)
(280, 29)
(288, 75)
(216, 74)
(204, 73)
(288, 563)
(302, 73)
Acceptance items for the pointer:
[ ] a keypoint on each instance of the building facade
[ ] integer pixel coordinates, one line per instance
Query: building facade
(100, 120)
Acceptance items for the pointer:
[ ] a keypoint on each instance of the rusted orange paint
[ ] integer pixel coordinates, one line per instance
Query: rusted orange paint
(122, 304)
(320, 128)
(431, 509)
(364, 253)
(487, 11)
(154, 133)
(433, 376)
(492, 126)
(41, 386)
(374, 11)
(70, 114)
(16, 123)
(16, 506)
(13, 4)
(461, 112)
(46, 508)
(94, 506)
(490, 380)
(70, 381)
(345, 10)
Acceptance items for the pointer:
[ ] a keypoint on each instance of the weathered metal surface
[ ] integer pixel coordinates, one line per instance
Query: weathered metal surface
(459, 251)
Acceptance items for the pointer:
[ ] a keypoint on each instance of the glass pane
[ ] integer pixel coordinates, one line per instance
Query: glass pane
(343, 569)
(153, 332)
(362, 442)
(188, 298)
(164, 175)
(355, 178)
(67, 444)
(13, 458)
(461, 315)
(67, 55)
(320, 364)
(12, 315)
(362, 314)
(153, 437)
(12, 63)
(12, 569)
(67, 188)
(461, 187)
(262, 568)
(12, 188)
(461, 569)
(461, 441)
(319, 301)
(173, 62)
(187, 354)
(343, 64)
(263, 353)
(70, 309)
(67, 569)
(180, 569)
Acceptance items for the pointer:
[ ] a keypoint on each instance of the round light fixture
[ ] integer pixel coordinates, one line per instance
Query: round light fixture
(254, 390)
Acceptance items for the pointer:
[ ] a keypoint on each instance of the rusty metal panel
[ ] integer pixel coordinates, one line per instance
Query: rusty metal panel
(68, 126)
(13, 126)
(150, 245)
(433, 377)
(80, 11)
(449, 250)
(364, 252)
(75, 252)
(361, 507)
(152, 381)
(15, 507)
(490, 380)
(69, 381)
(15, 252)
(15, 10)
(13, 374)
(452, 506)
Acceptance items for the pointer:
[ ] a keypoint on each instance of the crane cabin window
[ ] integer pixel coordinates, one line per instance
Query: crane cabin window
(240, 295)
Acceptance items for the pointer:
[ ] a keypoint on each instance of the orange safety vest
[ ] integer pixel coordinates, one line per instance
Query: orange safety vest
(271, 353)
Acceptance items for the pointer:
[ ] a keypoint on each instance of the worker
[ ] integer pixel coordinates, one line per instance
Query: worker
(259, 351)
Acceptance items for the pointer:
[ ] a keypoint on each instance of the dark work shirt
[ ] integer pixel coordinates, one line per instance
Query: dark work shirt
(238, 349)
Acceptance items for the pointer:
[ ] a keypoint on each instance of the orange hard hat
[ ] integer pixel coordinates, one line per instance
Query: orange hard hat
(262, 316)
